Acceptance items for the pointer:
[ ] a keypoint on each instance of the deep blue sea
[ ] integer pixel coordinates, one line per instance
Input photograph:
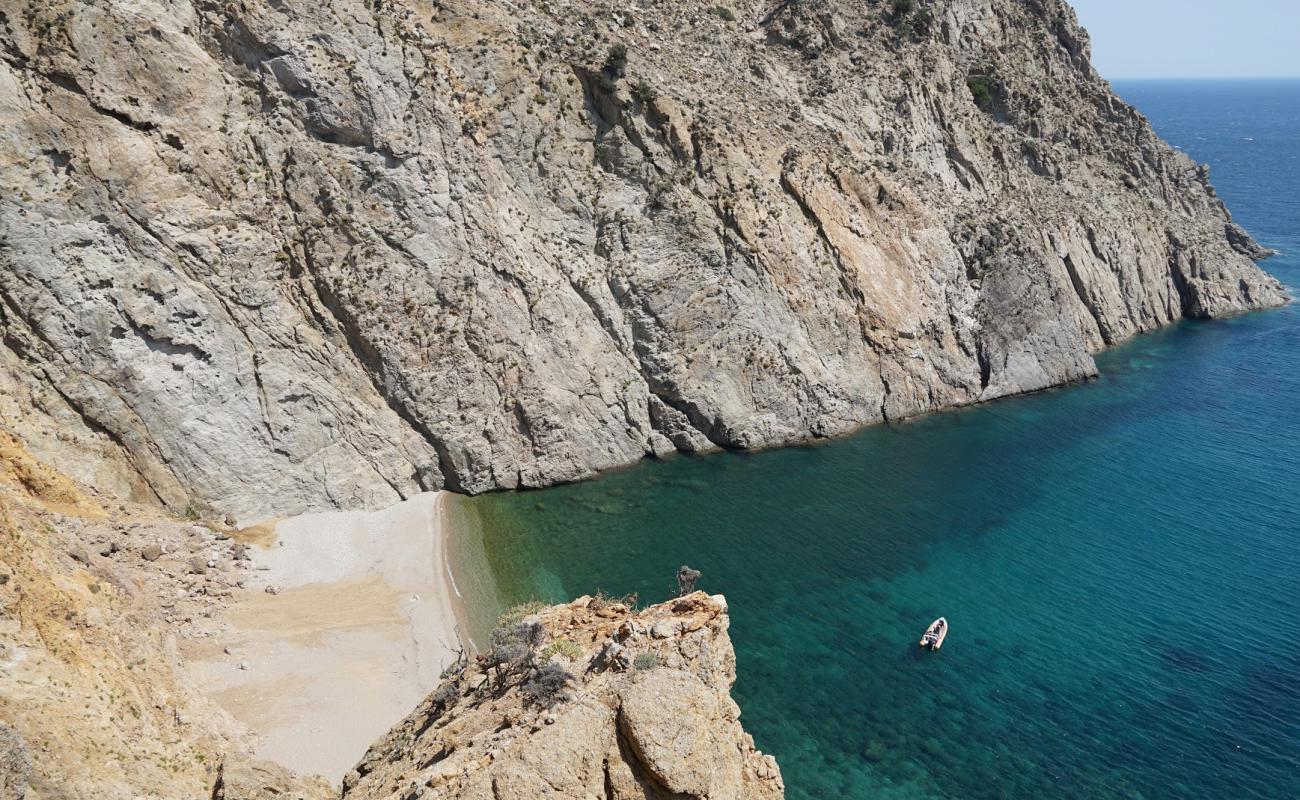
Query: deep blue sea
(1119, 560)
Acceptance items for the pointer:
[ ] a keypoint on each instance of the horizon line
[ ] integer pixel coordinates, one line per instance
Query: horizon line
(1199, 77)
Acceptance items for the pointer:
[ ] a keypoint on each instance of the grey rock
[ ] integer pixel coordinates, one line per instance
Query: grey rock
(269, 257)
(15, 764)
(663, 629)
(688, 755)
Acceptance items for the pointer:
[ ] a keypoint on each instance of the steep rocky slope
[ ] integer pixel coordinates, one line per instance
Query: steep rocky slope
(94, 598)
(645, 714)
(265, 256)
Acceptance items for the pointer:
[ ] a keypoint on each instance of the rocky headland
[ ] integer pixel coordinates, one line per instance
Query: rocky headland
(589, 699)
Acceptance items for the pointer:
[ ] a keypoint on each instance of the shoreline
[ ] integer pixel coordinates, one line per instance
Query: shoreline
(343, 627)
(455, 600)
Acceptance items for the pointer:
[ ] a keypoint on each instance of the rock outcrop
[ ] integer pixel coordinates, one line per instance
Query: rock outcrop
(646, 713)
(266, 256)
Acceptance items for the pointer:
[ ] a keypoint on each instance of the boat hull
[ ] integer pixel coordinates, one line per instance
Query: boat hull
(934, 635)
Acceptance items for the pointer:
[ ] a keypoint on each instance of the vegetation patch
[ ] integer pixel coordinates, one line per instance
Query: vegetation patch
(562, 647)
(985, 89)
(645, 661)
(548, 686)
(643, 92)
(614, 68)
(516, 613)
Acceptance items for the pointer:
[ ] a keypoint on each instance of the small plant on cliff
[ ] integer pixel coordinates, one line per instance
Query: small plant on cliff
(645, 661)
(516, 613)
(724, 13)
(984, 90)
(642, 92)
(548, 686)
(614, 68)
(615, 62)
(601, 602)
(505, 658)
(899, 9)
(921, 22)
(445, 694)
(562, 647)
(453, 678)
(910, 19)
(512, 648)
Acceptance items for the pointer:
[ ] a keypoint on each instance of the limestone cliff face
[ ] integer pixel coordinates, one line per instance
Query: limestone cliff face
(647, 715)
(265, 256)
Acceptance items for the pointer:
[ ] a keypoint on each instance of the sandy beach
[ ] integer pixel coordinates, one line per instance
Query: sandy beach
(359, 622)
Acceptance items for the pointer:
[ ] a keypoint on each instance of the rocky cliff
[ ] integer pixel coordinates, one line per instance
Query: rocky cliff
(269, 255)
(636, 705)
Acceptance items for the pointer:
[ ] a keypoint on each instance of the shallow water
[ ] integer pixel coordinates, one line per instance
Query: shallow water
(1118, 560)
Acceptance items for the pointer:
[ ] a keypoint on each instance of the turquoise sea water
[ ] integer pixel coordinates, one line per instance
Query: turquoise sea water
(1120, 560)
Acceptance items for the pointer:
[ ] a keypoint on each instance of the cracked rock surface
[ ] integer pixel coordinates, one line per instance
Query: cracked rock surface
(261, 257)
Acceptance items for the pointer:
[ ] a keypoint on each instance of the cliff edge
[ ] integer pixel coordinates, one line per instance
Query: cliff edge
(260, 257)
(586, 700)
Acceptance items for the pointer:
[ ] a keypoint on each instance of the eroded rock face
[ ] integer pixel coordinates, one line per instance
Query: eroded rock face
(271, 256)
(94, 701)
(658, 724)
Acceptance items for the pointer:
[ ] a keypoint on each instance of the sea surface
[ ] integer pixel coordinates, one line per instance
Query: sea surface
(1119, 560)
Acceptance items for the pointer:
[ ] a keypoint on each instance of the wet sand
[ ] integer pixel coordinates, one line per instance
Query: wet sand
(362, 622)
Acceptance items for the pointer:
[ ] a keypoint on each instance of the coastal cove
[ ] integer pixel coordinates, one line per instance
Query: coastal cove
(1117, 559)
(660, 401)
